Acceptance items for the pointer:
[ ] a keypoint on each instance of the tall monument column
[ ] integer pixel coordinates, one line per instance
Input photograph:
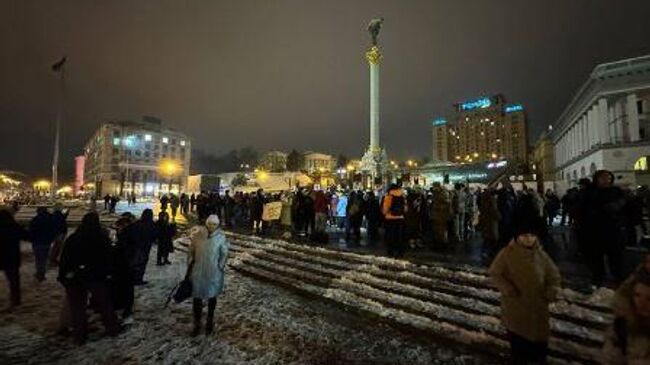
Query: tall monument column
(374, 161)
(374, 58)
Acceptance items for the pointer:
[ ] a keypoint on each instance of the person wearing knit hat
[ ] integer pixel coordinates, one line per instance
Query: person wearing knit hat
(208, 254)
(528, 281)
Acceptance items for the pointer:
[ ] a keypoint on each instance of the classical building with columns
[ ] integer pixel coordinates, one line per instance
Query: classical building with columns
(607, 125)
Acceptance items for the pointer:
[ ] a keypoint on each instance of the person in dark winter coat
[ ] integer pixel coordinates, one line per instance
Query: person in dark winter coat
(506, 203)
(166, 233)
(59, 219)
(393, 209)
(354, 215)
(10, 236)
(602, 219)
(228, 207)
(164, 201)
(42, 231)
(114, 200)
(84, 270)
(141, 236)
(122, 291)
(192, 202)
(185, 204)
(373, 215)
(174, 202)
(257, 208)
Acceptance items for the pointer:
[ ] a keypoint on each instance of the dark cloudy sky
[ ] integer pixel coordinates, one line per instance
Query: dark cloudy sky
(291, 74)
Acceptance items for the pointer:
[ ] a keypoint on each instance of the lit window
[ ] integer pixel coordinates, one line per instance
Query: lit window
(641, 164)
(147, 137)
(116, 141)
(165, 140)
(183, 143)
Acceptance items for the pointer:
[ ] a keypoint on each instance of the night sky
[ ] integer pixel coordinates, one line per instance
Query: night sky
(291, 74)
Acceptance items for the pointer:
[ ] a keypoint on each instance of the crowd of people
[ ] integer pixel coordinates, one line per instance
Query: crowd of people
(514, 226)
(99, 267)
(603, 218)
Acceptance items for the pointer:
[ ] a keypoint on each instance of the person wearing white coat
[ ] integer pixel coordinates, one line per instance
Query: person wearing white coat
(208, 254)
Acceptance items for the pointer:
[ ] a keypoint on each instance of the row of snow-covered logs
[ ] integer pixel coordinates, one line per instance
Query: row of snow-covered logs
(449, 303)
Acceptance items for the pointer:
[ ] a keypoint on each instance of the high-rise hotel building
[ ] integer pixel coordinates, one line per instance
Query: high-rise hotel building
(484, 129)
(142, 157)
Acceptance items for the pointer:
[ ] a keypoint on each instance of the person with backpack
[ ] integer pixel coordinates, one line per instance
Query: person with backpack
(207, 257)
(628, 339)
(394, 209)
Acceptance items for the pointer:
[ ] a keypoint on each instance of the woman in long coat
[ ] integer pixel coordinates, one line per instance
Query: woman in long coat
(165, 237)
(208, 254)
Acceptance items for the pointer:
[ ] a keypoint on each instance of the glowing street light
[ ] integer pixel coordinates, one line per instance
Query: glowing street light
(169, 167)
(262, 175)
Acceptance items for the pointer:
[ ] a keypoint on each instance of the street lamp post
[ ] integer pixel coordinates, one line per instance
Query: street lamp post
(58, 67)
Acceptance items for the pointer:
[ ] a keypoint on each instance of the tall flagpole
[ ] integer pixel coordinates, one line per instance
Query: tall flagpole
(57, 136)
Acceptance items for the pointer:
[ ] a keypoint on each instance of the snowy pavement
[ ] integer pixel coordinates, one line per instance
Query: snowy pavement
(443, 302)
(257, 323)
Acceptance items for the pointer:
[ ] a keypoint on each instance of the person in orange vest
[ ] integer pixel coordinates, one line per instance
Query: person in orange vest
(393, 209)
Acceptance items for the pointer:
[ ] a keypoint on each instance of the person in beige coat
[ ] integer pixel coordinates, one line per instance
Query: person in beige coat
(627, 341)
(528, 281)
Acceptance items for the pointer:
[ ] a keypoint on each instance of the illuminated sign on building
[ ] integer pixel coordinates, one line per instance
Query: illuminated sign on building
(476, 104)
(439, 121)
(514, 108)
(496, 165)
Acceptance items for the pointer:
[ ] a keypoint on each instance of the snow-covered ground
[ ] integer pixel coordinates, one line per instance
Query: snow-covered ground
(257, 323)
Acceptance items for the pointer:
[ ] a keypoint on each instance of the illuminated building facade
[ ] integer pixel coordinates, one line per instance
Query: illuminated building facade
(142, 157)
(318, 162)
(275, 161)
(607, 125)
(480, 130)
(79, 163)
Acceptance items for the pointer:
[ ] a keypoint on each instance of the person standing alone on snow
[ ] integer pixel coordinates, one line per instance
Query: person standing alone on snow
(207, 257)
(528, 281)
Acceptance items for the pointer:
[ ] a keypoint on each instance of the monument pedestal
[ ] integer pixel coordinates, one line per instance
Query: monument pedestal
(374, 163)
